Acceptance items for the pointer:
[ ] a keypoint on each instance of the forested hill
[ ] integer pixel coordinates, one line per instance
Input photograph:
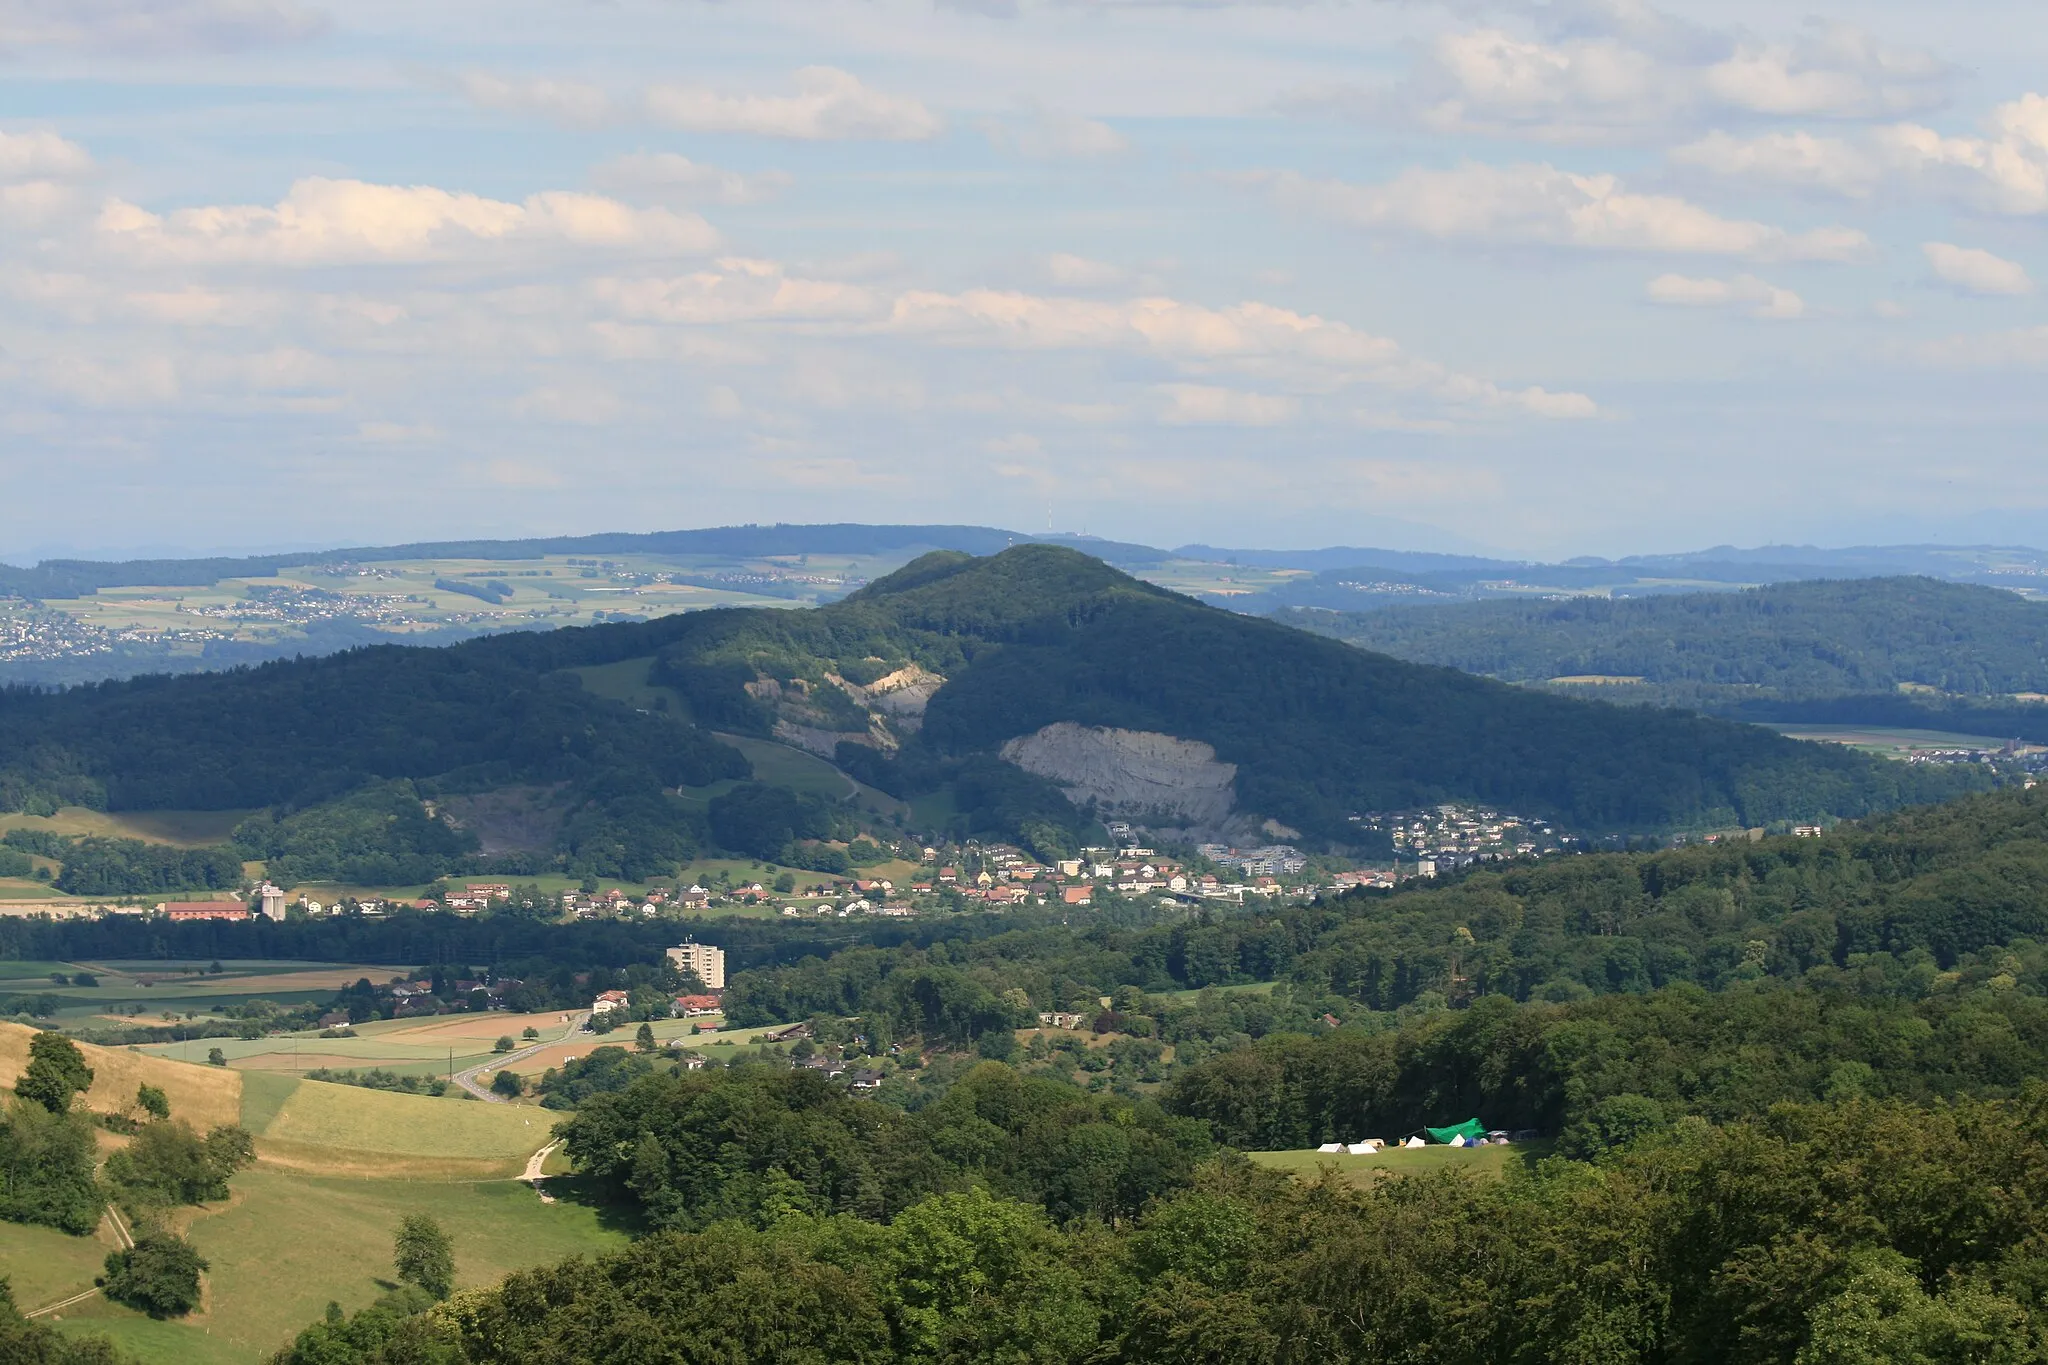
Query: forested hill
(1789, 640)
(1031, 636)
(1317, 731)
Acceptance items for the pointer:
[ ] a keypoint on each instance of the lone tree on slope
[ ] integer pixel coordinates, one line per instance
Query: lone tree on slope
(425, 1256)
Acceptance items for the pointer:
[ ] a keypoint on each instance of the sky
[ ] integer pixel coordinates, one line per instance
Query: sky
(1543, 279)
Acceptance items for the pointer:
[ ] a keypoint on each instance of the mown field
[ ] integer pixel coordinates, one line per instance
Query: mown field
(1887, 741)
(1363, 1171)
(313, 1221)
(287, 1243)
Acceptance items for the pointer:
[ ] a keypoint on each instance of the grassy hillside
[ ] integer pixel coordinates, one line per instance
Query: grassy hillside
(1793, 640)
(347, 1130)
(202, 1095)
(289, 1241)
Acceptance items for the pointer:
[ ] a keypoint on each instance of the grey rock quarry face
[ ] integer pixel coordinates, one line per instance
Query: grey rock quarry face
(1132, 774)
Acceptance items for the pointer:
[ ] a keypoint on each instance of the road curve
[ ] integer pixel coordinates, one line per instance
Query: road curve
(468, 1079)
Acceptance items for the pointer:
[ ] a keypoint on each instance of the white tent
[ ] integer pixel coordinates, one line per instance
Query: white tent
(1458, 1141)
(1365, 1148)
(1331, 1147)
(1415, 1142)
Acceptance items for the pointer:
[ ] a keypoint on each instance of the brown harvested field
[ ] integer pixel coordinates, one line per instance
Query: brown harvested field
(315, 979)
(560, 1053)
(447, 1029)
(204, 1096)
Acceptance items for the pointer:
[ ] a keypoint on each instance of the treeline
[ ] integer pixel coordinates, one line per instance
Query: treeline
(99, 866)
(380, 835)
(1934, 888)
(503, 944)
(696, 1148)
(493, 590)
(1793, 640)
(1601, 1072)
(1814, 1235)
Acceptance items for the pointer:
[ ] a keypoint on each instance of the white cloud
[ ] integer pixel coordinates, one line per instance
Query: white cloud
(152, 26)
(830, 105)
(1759, 298)
(41, 155)
(1302, 351)
(1602, 72)
(1207, 405)
(1973, 271)
(1542, 205)
(331, 221)
(581, 106)
(1052, 135)
(737, 290)
(677, 179)
(1832, 70)
(2004, 171)
(1795, 160)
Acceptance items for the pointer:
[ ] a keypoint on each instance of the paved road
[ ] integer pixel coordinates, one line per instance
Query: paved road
(468, 1079)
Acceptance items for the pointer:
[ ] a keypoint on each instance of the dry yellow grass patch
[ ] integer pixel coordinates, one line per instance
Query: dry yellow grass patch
(183, 828)
(203, 1096)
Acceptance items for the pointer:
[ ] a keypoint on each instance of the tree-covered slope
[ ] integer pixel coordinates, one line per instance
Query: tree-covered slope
(1792, 640)
(1019, 640)
(284, 731)
(1318, 731)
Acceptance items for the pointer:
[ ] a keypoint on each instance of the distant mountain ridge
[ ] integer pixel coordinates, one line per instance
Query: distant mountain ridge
(75, 577)
(1792, 640)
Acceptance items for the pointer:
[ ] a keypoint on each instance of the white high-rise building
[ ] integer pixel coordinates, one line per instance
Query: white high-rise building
(703, 959)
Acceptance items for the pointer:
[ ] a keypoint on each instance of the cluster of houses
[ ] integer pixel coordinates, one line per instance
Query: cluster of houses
(1272, 860)
(1441, 838)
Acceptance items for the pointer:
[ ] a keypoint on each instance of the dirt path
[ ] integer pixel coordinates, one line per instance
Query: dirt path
(63, 1303)
(468, 1079)
(122, 1238)
(533, 1176)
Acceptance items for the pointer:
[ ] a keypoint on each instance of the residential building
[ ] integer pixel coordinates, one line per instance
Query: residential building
(181, 911)
(707, 961)
(607, 1001)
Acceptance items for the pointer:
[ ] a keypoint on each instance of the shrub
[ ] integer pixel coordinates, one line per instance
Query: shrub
(159, 1275)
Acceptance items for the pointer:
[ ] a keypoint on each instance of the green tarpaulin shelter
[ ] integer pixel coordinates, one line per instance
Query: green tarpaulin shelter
(1471, 1130)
